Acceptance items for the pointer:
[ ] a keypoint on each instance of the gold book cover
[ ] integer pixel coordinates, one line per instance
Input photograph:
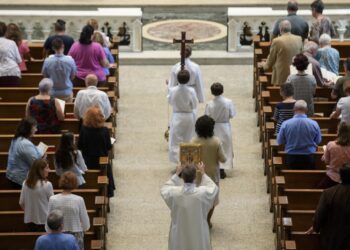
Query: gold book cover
(190, 153)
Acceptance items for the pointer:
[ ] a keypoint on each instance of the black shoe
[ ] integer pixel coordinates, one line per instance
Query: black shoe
(222, 174)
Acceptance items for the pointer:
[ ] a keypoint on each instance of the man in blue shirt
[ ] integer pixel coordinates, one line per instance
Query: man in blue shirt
(56, 240)
(300, 135)
(61, 70)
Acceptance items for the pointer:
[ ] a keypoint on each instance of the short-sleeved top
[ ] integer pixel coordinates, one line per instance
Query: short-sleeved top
(60, 69)
(339, 85)
(304, 89)
(67, 41)
(44, 112)
(56, 241)
(22, 154)
(87, 58)
(344, 106)
(35, 202)
(299, 26)
(283, 112)
(23, 50)
(329, 59)
(12, 49)
(321, 27)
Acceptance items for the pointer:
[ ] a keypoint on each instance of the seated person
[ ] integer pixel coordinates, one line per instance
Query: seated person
(61, 70)
(45, 109)
(10, 73)
(69, 158)
(300, 136)
(35, 195)
(328, 56)
(304, 84)
(285, 109)
(339, 87)
(22, 153)
(98, 38)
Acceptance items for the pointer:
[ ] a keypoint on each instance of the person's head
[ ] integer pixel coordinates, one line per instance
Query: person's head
(300, 107)
(55, 220)
(343, 135)
(285, 27)
(345, 174)
(93, 23)
(183, 76)
(3, 29)
(45, 86)
(292, 6)
(325, 40)
(205, 126)
(301, 62)
(317, 7)
(58, 45)
(65, 154)
(98, 38)
(188, 173)
(26, 128)
(311, 47)
(60, 26)
(94, 118)
(39, 171)
(287, 90)
(68, 181)
(13, 33)
(91, 80)
(188, 51)
(86, 34)
(347, 65)
(217, 89)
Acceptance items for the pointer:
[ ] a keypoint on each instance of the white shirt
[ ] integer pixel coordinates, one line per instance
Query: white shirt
(182, 98)
(35, 202)
(90, 97)
(196, 80)
(221, 109)
(11, 48)
(344, 105)
(75, 217)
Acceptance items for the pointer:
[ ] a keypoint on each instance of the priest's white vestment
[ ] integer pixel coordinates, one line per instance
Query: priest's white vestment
(184, 102)
(196, 80)
(189, 207)
(221, 109)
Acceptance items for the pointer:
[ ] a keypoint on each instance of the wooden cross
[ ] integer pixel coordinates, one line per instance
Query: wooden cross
(183, 42)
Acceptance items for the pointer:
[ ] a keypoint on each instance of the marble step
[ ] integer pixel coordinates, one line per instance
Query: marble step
(171, 57)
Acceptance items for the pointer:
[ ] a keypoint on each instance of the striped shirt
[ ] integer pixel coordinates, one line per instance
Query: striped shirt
(283, 111)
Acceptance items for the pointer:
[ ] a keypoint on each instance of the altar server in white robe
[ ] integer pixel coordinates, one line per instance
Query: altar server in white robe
(189, 207)
(221, 109)
(184, 102)
(196, 80)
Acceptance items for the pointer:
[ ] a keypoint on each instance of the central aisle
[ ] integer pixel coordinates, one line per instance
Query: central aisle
(139, 218)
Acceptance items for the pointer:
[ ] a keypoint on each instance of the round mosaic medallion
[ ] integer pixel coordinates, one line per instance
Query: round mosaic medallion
(200, 31)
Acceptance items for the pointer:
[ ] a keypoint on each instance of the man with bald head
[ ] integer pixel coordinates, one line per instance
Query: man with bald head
(299, 26)
(91, 96)
(300, 136)
(282, 51)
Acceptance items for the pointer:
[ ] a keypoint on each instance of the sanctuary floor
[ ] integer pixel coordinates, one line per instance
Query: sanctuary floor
(139, 218)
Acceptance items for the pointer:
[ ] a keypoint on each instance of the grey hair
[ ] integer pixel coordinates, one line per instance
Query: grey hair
(285, 26)
(325, 39)
(300, 105)
(45, 85)
(310, 46)
(55, 219)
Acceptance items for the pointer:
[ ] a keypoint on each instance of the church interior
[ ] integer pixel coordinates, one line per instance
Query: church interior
(263, 204)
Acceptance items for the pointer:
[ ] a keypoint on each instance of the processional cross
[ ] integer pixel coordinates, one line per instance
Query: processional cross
(183, 42)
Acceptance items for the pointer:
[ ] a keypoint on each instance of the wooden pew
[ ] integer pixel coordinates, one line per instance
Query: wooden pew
(17, 109)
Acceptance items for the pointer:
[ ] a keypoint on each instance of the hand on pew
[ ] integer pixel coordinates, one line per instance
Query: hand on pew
(310, 230)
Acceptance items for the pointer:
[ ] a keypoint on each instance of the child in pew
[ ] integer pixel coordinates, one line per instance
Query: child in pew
(35, 195)
(98, 38)
(285, 109)
(69, 158)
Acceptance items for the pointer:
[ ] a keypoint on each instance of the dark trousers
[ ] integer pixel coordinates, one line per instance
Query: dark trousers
(326, 182)
(32, 227)
(300, 161)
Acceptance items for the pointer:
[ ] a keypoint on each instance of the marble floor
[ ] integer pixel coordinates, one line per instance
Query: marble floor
(139, 218)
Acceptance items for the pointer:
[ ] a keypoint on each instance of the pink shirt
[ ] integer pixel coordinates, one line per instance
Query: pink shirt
(23, 49)
(87, 57)
(335, 157)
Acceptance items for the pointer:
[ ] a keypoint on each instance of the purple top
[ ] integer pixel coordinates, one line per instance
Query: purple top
(87, 58)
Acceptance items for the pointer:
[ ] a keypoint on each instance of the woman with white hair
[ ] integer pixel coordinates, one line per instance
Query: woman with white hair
(9, 70)
(45, 109)
(328, 56)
